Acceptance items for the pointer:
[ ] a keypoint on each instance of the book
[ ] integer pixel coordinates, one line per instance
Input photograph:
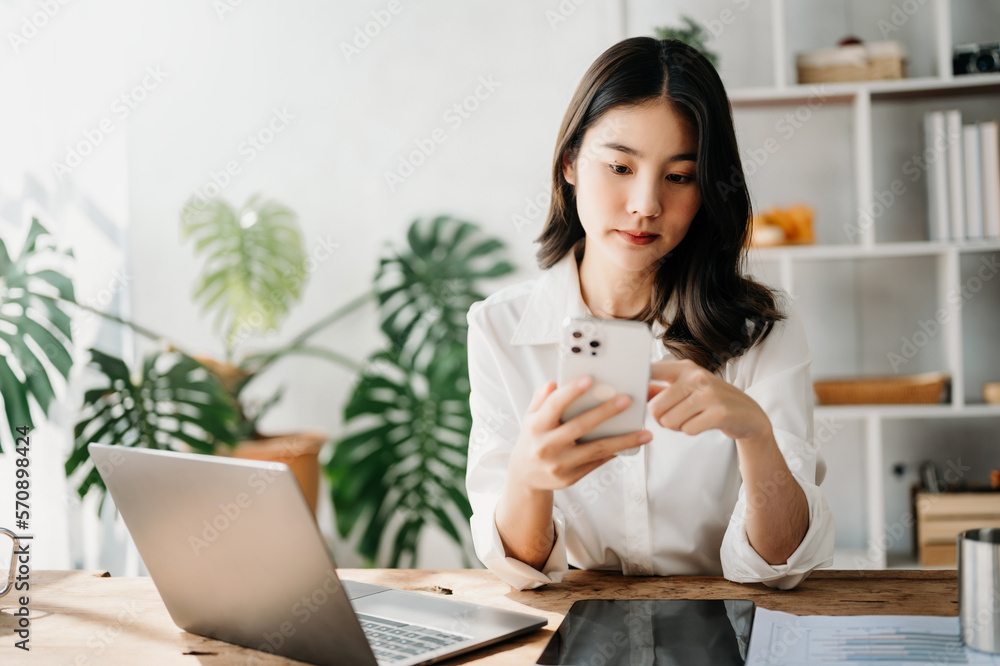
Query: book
(956, 185)
(935, 142)
(989, 154)
(972, 176)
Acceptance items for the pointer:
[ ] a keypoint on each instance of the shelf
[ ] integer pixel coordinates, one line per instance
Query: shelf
(906, 411)
(912, 249)
(863, 299)
(847, 91)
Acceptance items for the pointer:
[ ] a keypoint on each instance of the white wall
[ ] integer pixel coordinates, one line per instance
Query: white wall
(219, 77)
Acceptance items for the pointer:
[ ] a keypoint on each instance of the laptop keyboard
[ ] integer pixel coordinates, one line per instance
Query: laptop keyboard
(394, 641)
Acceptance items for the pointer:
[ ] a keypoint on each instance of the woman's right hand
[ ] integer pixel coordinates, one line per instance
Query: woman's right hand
(547, 456)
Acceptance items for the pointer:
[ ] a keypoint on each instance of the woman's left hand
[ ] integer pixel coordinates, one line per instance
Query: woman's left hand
(696, 400)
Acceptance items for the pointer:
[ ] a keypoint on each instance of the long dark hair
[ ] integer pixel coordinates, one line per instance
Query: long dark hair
(718, 313)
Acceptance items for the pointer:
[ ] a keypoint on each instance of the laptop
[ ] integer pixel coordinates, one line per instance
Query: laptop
(236, 555)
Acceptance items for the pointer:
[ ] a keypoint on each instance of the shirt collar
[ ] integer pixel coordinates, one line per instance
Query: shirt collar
(556, 296)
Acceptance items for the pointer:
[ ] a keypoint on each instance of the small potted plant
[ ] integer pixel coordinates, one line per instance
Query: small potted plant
(692, 34)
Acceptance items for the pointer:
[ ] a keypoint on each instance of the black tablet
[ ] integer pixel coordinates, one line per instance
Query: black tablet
(686, 632)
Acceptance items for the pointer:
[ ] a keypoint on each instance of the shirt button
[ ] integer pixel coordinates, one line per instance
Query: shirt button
(639, 570)
(636, 496)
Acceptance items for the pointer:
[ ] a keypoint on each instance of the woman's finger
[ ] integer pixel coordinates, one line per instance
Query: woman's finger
(667, 371)
(698, 424)
(581, 424)
(589, 467)
(605, 448)
(556, 403)
(541, 393)
(675, 417)
(655, 388)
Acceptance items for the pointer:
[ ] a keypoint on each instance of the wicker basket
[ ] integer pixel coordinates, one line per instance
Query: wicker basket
(870, 62)
(885, 68)
(923, 389)
(847, 63)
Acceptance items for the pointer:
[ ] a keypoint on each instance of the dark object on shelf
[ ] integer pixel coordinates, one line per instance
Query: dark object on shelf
(930, 477)
(927, 388)
(976, 58)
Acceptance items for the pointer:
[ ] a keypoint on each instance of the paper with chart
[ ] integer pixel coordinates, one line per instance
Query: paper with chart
(780, 639)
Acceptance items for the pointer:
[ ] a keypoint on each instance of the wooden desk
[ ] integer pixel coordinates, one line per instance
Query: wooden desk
(83, 618)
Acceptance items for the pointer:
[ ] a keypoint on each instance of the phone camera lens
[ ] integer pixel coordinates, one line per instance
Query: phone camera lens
(575, 350)
(595, 343)
(577, 334)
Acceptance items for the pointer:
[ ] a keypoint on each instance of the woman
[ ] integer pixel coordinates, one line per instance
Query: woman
(649, 219)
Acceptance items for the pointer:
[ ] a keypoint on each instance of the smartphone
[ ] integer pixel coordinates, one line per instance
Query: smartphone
(616, 353)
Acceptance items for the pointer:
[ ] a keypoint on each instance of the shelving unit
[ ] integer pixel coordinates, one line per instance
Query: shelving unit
(926, 86)
(870, 280)
(872, 273)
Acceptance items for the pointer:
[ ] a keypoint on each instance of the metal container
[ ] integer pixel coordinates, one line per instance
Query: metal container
(979, 588)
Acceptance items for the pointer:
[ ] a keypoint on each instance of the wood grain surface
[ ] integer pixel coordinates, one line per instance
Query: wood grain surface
(83, 618)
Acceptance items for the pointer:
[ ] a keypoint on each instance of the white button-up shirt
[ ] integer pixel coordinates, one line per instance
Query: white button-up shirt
(676, 507)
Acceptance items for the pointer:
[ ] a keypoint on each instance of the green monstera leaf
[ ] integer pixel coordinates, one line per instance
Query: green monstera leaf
(404, 460)
(425, 291)
(401, 465)
(35, 330)
(175, 403)
(254, 264)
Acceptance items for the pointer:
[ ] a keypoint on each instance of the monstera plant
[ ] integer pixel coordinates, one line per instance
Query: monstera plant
(254, 271)
(692, 34)
(401, 465)
(35, 329)
(171, 402)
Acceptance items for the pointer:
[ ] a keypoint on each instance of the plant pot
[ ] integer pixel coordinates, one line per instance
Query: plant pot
(298, 450)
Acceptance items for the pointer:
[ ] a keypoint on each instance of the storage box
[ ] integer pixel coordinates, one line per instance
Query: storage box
(941, 516)
(853, 62)
(928, 388)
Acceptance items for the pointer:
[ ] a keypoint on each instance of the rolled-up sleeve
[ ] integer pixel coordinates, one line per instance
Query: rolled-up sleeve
(495, 428)
(778, 379)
